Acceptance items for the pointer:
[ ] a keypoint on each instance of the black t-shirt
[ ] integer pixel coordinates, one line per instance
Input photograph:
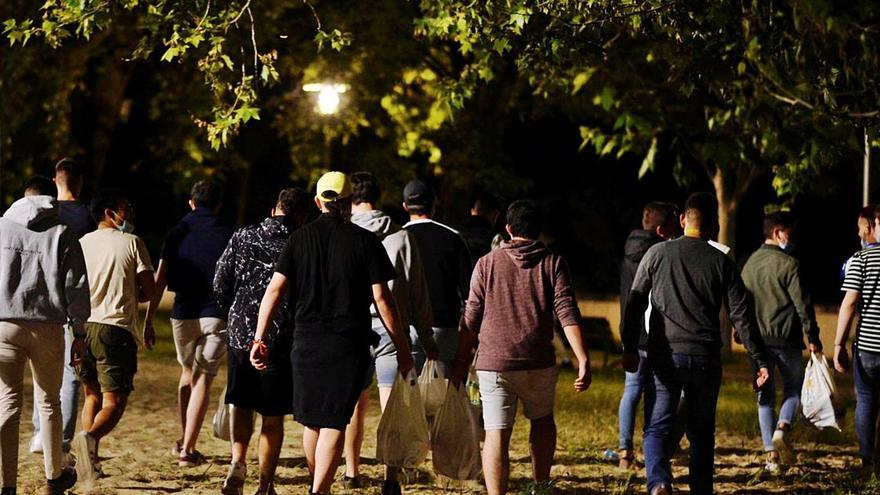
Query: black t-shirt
(76, 216)
(448, 268)
(331, 266)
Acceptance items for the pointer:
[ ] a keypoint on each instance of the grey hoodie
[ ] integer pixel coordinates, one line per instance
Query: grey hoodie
(410, 289)
(42, 270)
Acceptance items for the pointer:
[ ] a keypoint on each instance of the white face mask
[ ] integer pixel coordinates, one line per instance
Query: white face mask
(123, 226)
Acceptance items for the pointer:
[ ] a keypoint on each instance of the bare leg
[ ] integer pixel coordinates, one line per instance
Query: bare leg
(242, 427)
(198, 407)
(271, 440)
(496, 461)
(184, 389)
(310, 446)
(108, 417)
(92, 403)
(327, 456)
(542, 444)
(354, 436)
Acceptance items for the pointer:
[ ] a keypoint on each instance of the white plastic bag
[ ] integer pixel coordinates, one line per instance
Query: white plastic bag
(454, 440)
(817, 392)
(402, 439)
(432, 387)
(220, 422)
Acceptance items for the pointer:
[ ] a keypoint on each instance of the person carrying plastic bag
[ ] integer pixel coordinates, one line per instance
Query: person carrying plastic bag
(402, 440)
(517, 293)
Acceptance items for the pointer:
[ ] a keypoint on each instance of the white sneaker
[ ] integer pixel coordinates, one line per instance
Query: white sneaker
(36, 446)
(780, 445)
(772, 468)
(85, 448)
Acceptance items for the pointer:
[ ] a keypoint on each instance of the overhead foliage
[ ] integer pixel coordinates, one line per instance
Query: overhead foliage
(732, 90)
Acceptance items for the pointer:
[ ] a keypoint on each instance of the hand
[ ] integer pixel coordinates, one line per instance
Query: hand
(630, 362)
(149, 335)
(584, 378)
(841, 359)
(77, 350)
(459, 372)
(762, 376)
(259, 355)
(815, 348)
(430, 347)
(404, 363)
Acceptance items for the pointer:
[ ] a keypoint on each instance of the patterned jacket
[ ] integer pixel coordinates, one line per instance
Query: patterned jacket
(243, 272)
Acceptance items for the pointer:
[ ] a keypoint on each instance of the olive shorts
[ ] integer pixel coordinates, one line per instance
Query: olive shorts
(110, 359)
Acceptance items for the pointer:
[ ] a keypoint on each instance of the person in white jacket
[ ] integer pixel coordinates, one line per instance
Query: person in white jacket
(413, 301)
(43, 286)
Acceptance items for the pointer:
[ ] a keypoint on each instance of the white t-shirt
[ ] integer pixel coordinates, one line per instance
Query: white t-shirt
(113, 261)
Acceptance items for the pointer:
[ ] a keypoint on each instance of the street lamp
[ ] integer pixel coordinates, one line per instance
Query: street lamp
(328, 104)
(328, 96)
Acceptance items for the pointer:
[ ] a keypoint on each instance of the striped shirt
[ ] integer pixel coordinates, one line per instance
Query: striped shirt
(863, 276)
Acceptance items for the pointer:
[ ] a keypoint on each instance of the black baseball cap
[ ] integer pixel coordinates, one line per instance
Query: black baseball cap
(417, 193)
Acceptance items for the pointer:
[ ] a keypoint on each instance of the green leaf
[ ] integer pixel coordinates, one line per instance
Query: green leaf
(648, 162)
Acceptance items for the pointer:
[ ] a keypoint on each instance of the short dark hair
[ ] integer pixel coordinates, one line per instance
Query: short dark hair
(107, 199)
(365, 188)
(525, 219)
(704, 206)
(485, 203)
(657, 214)
(777, 220)
(869, 213)
(206, 193)
(68, 171)
(295, 202)
(39, 185)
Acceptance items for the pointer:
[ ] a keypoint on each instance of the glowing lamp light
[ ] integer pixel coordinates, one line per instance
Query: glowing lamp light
(328, 96)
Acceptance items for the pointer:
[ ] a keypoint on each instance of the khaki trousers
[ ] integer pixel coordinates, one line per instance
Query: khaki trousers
(43, 344)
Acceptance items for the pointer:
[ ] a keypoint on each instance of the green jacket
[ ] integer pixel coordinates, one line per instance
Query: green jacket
(782, 307)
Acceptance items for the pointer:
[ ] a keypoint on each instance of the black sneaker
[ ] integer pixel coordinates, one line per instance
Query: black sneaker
(62, 483)
(351, 483)
(391, 488)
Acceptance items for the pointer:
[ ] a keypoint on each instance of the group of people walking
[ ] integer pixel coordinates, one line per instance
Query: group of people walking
(307, 312)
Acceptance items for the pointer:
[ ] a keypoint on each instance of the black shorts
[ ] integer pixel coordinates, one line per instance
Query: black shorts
(269, 392)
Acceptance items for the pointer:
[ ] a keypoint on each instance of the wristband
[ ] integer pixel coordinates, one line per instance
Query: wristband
(258, 342)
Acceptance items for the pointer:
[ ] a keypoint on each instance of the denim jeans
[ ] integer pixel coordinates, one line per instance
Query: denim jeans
(70, 389)
(866, 375)
(699, 378)
(790, 363)
(632, 393)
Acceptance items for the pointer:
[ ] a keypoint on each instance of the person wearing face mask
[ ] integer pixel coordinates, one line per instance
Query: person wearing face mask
(785, 316)
(121, 276)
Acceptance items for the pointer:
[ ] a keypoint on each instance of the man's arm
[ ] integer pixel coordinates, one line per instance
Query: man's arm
(742, 315)
(636, 305)
(469, 326)
(224, 278)
(76, 282)
(387, 309)
(465, 269)
(569, 316)
(803, 306)
(844, 321)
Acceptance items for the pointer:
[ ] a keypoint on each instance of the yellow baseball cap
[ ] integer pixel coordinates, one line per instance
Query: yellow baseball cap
(333, 186)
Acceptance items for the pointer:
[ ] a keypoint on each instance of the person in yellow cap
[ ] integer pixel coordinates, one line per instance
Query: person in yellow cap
(335, 271)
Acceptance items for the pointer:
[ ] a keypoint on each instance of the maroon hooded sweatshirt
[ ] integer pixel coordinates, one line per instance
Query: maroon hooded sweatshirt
(517, 294)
